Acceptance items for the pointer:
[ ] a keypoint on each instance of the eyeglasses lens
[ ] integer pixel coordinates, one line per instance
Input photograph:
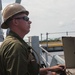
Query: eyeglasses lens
(24, 18)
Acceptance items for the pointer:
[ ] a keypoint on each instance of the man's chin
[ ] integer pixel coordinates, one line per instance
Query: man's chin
(28, 32)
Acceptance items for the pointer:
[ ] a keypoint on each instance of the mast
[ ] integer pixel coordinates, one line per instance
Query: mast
(1, 31)
(18, 1)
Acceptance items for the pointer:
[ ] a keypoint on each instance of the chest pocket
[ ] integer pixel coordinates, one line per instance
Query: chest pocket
(33, 66)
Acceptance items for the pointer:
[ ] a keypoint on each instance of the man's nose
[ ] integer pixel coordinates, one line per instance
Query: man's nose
(30, 22)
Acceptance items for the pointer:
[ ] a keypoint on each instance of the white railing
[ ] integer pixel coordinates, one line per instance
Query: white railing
(53, 59)
(44, 56)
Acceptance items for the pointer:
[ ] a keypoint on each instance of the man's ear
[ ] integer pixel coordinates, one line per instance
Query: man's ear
(15, 22)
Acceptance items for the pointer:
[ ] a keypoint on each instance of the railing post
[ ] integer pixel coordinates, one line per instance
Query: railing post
(47, 47)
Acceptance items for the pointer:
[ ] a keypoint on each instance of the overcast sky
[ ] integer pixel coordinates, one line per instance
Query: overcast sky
(49, 15)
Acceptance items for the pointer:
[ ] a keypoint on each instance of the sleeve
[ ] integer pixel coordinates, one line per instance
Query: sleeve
(16, 60)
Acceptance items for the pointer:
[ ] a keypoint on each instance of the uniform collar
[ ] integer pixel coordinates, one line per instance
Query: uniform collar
(11, 33)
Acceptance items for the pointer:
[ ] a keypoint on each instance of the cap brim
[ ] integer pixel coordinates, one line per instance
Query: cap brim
(4, 26)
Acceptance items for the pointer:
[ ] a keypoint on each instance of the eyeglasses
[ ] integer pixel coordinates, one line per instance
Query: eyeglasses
(24, 18)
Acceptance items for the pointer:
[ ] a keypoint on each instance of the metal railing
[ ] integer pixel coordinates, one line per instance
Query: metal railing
(54, 59)
(44, 56)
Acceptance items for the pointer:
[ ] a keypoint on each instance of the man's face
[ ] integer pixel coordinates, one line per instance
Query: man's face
(23, 23)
